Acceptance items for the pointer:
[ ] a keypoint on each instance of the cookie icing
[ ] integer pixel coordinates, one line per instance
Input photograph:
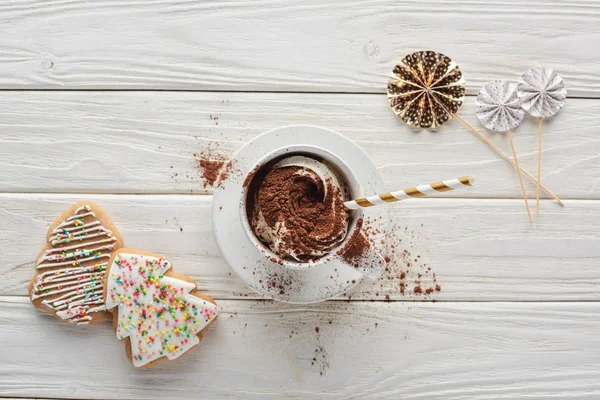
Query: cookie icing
(75, 271)
(155, 311)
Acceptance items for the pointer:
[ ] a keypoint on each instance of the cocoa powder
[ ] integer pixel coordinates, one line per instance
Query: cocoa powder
(407, 253)
(214, 169)
(356, 247)
(311, 210)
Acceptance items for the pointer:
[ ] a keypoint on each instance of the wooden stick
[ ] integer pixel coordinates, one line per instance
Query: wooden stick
(512, 146)
(539, 169)
(507, 158)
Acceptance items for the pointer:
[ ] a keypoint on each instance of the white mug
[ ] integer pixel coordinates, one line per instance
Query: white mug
(371, 261)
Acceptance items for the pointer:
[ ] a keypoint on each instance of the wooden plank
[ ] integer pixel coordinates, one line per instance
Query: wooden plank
(328, 351)
(145, 142)
(272, 46)
(480, 250)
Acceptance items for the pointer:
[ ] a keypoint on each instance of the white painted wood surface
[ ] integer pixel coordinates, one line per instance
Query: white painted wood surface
(140, 142)
(286, 45)
(364, 350)
(480, 250)
(518, 311)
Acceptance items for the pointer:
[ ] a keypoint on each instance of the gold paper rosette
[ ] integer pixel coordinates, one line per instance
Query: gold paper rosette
(425, 89)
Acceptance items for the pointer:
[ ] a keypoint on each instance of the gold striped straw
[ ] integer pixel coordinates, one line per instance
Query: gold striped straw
(418, 191)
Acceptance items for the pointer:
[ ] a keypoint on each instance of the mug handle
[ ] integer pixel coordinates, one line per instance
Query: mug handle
(361, 255)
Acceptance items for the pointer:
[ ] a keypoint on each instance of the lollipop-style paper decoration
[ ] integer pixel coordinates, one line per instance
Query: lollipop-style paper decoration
(426, 88)
(542, 94)
(498, 106)
(498, 109)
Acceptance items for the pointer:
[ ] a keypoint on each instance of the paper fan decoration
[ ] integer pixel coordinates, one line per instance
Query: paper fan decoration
(542, 92)
(498, 106)
(498, 109)
(425, 89)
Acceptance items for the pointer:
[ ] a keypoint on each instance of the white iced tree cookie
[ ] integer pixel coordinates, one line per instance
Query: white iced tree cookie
(160, 312)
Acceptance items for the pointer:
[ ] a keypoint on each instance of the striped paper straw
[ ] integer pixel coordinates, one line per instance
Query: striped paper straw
(419, 191)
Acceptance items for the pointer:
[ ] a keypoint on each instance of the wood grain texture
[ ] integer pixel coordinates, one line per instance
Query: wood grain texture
(368, 350)
(519, 307)
(480, 250)
(272, 46)
(141, 142)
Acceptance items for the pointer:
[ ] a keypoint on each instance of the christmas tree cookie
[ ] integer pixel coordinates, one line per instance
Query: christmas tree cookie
(161, 312)
(70, 270)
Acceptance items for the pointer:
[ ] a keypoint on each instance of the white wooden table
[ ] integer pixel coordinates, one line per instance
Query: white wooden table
(132, 92)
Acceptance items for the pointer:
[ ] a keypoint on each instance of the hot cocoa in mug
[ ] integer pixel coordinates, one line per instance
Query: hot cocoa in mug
(293, 211)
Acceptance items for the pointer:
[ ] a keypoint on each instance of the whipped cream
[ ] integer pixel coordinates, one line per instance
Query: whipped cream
(298, 209)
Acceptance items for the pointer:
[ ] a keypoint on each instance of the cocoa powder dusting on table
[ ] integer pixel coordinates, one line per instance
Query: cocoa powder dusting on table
(210, 170)
(407, 271)
(214, 169)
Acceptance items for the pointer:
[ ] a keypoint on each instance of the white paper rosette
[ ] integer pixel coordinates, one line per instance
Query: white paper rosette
(498, 106)
(541, 92)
